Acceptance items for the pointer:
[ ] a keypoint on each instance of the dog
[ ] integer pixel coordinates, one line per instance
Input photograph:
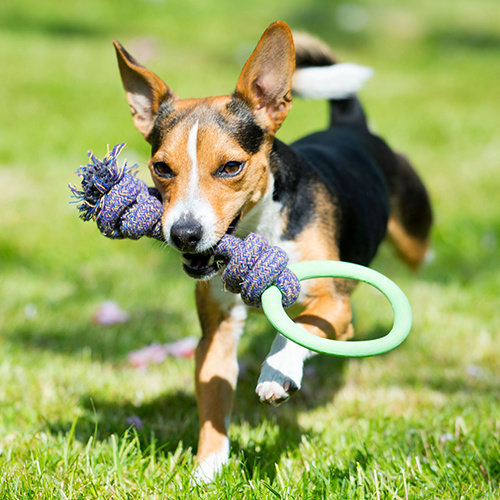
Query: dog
(331, 195)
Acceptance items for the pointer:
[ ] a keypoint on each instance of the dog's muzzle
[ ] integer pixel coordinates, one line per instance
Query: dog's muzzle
(204, 265)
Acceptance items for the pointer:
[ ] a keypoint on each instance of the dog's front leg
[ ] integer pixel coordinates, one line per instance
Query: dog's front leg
(327, 314)
(216, 375)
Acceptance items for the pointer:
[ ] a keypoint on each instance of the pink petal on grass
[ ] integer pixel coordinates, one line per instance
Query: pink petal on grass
(183, 348)
(109, 313)
(152, 354)
(157, 353)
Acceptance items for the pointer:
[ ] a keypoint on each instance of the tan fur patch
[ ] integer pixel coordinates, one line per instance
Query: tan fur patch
(327, 303)
(412, 250)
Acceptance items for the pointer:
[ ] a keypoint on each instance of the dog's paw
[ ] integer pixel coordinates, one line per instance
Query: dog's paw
(274, 388)
(205, 472)
(281, 374)
(207, 469)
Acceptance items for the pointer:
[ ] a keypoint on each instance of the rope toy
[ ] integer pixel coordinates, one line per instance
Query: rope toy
(253, 265)
(124, 207)
(121, 204)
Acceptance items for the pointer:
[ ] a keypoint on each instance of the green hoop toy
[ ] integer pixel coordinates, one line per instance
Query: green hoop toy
(271, 304)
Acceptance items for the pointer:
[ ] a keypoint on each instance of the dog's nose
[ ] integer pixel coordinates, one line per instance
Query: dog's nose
(186, 233)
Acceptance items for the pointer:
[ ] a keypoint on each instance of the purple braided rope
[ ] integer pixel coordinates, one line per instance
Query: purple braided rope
(124, 207)
(121, 204)
(254, 265)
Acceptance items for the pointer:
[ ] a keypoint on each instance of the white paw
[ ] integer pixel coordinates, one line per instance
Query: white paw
(281, 374)
(209, 468)
(275, 392)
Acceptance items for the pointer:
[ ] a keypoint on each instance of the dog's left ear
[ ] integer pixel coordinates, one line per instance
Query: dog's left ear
(266, 79)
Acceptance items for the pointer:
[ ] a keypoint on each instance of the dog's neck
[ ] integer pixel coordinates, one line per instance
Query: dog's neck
(265, 217)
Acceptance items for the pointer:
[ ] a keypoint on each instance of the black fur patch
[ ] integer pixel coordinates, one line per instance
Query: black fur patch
(293, 189)
(166, 120)
(244, 129)
(342, 160)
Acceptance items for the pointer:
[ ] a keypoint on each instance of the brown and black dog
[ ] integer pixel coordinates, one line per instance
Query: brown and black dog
(331, 195)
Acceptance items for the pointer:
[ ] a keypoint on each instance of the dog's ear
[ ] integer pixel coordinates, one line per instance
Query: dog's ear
(145, 91)
(266, 79)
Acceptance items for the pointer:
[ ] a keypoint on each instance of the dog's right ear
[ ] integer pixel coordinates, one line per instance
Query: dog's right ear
(145, 91)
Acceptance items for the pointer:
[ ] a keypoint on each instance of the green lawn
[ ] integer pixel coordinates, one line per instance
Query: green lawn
(420, 422)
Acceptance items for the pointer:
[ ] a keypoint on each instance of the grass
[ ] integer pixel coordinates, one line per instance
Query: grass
(421, 422)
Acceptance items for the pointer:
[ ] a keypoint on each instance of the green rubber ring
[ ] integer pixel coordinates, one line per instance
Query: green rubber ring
(273, 309)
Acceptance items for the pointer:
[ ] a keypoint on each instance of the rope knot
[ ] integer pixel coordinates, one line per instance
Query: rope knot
(254, 265)
(122, 205)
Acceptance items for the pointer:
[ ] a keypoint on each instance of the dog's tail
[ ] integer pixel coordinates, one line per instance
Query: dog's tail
(318, 75)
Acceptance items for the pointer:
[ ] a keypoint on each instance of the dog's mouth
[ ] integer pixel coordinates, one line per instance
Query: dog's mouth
(204, 265)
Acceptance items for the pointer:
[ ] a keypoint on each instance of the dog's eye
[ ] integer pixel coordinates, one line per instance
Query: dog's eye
(230, 169)
(161, 169)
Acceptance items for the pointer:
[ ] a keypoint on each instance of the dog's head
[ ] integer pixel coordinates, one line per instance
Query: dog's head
(210, 157)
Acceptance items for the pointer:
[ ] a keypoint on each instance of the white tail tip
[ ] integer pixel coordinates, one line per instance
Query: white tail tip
(337, 81)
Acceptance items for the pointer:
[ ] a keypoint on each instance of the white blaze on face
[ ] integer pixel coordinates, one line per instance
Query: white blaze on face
(192, 151)
(193, 203)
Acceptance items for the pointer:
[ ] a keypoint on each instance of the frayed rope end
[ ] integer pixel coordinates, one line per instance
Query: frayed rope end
(97, 178)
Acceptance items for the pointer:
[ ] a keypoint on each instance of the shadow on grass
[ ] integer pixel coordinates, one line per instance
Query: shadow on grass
(166, 420)
(28, 23)
(104, 343)
(468, 39)
(282, 432)
(172, 417)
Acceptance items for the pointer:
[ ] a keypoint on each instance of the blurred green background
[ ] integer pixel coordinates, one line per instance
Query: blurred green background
(435, 96)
